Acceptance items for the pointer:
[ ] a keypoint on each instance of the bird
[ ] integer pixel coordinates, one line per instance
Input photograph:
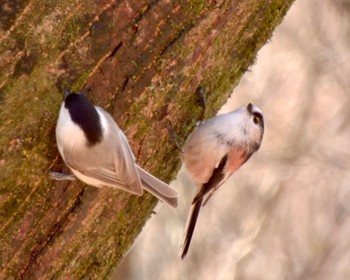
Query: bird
(98, 153)
(214, 151)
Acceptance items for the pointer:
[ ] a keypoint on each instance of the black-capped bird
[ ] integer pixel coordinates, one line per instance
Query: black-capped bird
(98, 152)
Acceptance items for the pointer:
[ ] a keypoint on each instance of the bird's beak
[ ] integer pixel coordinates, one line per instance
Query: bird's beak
(250, 108)
(66, 92)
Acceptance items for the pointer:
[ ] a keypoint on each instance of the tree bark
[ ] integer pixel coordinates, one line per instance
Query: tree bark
(140, 60)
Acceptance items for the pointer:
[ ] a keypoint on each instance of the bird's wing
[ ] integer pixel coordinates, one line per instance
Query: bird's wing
(216, 179)
(232, 161)
(123, 158)
(110, 162)
(100, 176)
(125, 166)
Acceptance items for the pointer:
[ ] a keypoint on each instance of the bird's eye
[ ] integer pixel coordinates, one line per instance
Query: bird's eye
(256, 119)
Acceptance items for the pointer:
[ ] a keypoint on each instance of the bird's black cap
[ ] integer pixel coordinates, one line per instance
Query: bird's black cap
(85, 115)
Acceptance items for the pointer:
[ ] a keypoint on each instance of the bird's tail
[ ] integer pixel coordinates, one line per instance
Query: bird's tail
(190, 225)
(158, 188)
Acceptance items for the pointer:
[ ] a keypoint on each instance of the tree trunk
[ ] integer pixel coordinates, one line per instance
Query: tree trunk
(140, 60)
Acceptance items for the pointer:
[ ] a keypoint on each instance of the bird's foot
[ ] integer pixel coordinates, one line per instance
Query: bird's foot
(57, 176)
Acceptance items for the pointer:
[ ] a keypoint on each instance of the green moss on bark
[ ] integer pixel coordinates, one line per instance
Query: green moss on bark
(143, 62)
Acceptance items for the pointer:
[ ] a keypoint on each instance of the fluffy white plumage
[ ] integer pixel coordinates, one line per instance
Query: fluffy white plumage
(215, 150)
(100, 154)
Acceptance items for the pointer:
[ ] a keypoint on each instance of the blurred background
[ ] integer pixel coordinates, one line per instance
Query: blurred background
(286, 213)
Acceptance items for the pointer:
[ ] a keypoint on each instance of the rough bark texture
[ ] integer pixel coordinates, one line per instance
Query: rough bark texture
(142, 61)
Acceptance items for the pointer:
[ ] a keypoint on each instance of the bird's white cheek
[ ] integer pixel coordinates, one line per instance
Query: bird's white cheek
(68, 134)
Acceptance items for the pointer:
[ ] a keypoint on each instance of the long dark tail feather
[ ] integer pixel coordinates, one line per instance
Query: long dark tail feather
(191, 224)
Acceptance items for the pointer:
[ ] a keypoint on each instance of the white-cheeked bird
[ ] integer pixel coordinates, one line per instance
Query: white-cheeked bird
(214, 151)
(98, 153)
